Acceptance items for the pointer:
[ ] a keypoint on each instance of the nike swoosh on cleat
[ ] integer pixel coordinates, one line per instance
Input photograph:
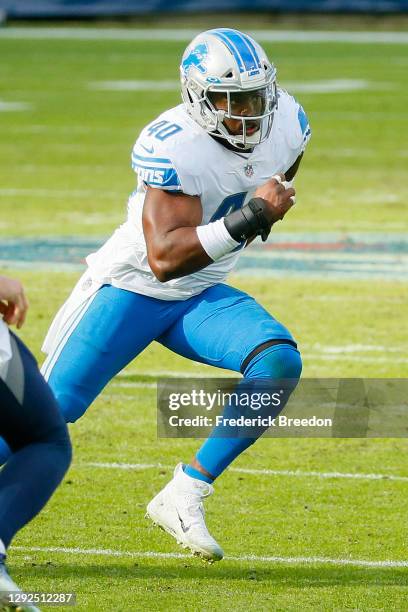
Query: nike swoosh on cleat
(148, 150)
(184, 528)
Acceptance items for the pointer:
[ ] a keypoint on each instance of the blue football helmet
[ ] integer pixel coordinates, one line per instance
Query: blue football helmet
(226, 62)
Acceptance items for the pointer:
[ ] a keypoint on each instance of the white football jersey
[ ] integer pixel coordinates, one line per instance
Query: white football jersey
(5, 349)
(174, 153)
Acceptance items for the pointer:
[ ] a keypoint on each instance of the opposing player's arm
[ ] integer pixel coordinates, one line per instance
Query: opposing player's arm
(177, 245)
(13, 302)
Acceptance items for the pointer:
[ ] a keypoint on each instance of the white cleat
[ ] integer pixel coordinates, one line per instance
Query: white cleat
(178, 509)
(7, 587)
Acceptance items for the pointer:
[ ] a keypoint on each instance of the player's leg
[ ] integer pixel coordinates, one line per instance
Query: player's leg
(33, 427)
(228, 329)
(112, 331)
(96, 339)
(274, 366)
(239, 335)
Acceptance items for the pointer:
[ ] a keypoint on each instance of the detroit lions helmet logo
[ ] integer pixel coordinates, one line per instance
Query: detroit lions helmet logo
(196, 57)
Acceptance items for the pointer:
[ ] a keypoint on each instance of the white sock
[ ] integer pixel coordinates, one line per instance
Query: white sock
(2, 548)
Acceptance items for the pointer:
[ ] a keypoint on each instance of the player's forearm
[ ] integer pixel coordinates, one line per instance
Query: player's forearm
(178, 253)
(184, 250)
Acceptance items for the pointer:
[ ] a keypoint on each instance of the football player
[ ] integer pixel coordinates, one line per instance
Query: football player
(213, 173)
(34, 429)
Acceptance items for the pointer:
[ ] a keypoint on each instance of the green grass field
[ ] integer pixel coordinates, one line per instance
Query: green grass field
(65, 170)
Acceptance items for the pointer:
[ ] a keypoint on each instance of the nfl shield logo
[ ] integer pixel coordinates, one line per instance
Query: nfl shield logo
(249, 171)
(86, 284)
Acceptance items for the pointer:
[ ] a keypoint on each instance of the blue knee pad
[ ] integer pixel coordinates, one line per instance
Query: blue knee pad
(280, 362)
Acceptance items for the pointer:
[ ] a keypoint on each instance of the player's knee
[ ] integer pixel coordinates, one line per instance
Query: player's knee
(290, 362)
(282, 361)
(64, 448)
(72, 399)
(55, 438)
(61, 444)
(72, 407)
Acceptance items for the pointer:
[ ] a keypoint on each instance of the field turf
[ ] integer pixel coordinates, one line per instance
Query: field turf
(65, 170)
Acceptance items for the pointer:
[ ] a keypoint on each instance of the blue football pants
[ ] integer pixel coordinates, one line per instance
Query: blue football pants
(32, 426)
(220, 327)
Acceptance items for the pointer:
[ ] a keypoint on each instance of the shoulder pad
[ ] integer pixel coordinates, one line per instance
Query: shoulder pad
(162, 156)
(294, 121)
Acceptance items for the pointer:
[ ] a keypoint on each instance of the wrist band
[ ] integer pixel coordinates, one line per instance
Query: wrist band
(215, 239)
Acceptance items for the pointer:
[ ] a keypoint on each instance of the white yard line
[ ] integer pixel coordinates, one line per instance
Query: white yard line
(6, 107)
(181, 34)
(356, 348)
(55, 193)
(133, 385)
(358, 358)
(262, 472)
(181, 374)
(329, 86)
(135, 85)
(346, 298)
(224, 374)
(249, 558)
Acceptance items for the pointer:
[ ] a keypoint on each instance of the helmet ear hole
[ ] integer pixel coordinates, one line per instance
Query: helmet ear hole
(229, 75)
